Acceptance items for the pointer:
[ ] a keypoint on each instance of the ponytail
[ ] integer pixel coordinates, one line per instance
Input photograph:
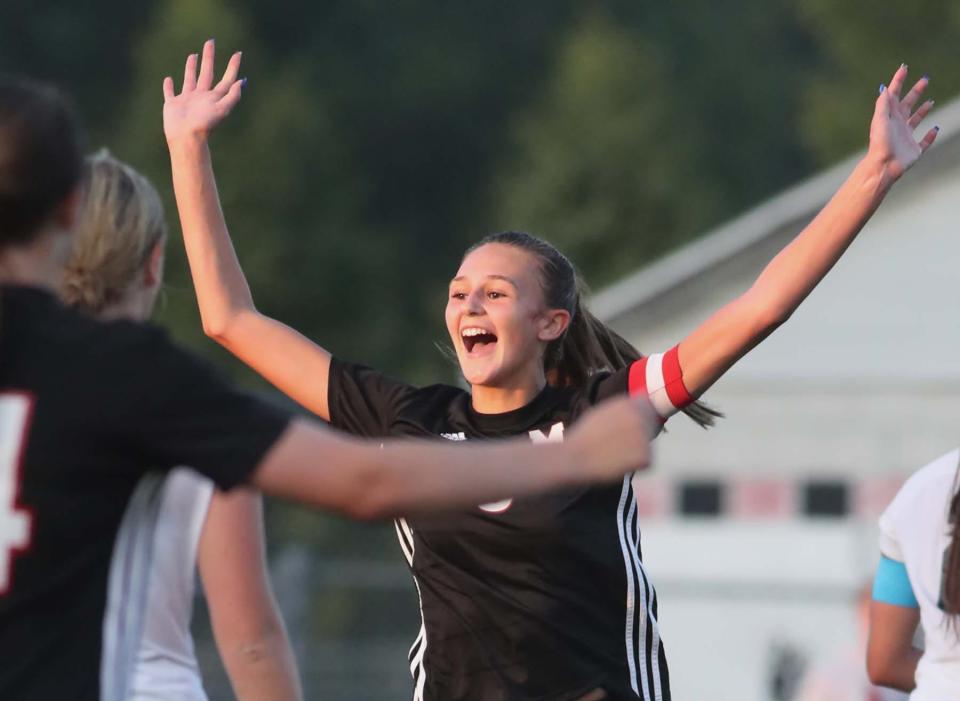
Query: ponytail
(588, 346)
(122, 222)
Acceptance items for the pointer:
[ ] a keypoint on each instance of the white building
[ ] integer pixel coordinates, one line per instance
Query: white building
(858, 389)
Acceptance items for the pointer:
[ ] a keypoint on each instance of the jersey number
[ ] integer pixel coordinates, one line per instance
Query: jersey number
(15, 523)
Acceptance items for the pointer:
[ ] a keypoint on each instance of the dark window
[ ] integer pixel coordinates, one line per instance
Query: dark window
(826, 498)
(701, 498)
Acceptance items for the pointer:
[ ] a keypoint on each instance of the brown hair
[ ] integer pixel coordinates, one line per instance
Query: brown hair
(121, 223)
(588, 345)
(40, 157)
(950, 582)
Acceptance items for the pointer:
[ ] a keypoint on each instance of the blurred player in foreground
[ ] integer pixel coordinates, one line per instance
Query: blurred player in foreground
(94, 415)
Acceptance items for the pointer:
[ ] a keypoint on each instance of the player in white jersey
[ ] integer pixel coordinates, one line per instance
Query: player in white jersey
(918, 582)
(115, 271)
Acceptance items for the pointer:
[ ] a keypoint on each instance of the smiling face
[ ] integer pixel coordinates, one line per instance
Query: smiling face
(497, 318)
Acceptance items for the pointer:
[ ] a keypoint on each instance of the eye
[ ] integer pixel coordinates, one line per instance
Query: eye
(458, 295)
(494, 294)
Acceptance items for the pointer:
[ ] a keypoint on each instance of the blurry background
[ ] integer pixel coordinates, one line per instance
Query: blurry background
(375, 141)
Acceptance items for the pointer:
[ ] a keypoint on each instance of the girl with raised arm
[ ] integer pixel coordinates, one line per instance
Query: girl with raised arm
(525, 598)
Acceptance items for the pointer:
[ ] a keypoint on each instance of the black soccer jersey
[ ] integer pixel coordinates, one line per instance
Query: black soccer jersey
(91, 415)
(538, 598)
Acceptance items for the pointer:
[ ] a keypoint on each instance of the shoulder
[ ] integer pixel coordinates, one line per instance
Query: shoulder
(923, 499)
(938, 476)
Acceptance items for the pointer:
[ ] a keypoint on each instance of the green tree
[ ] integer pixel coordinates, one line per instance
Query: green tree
(656, 123)
(862, 43)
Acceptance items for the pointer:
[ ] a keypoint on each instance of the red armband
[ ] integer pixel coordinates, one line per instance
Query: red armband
(660, 377)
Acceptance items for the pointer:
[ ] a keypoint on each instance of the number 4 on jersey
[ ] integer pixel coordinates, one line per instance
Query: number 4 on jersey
(15, 522)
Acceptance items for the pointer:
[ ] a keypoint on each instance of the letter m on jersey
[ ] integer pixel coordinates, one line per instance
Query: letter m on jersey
(555, 435)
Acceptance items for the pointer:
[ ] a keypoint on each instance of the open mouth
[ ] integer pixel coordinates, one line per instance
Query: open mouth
(477, 339)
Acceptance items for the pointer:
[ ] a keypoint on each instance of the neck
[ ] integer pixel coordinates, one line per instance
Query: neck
(135, 307)
(488, 399)
(38, 264)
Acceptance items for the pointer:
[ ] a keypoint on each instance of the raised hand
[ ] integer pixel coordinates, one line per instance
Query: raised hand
(892, 139)
(201, 105)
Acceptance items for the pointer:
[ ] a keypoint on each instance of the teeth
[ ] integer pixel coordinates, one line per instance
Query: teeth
(474, 332)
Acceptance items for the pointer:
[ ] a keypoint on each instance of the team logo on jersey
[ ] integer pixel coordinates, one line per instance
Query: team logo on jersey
(454, 436)
(537, 436)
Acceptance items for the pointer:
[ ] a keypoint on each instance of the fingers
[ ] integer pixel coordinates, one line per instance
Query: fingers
(896, 82)
(921, 112)
(927, 140)
(190, 73)
(230, 75)
(206, 66)
(168, 91)
(910, 99)
(882, 108)
(229, 101)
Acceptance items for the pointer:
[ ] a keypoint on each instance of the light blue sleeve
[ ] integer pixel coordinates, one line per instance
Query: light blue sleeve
(892, 586)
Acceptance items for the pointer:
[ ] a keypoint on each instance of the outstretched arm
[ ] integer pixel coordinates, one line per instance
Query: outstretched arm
(246, 622)
(331, 470)
(295, 365)
(736, 328)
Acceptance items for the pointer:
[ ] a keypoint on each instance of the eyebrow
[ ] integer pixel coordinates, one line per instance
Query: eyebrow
(462, 278)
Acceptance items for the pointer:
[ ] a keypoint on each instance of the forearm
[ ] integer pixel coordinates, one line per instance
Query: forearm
(739, 326)
(333, 471)
(796, 270)
(263, 668)
(222, 290)
(409, 481)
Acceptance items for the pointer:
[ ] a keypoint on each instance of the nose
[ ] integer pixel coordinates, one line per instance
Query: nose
(474, 304)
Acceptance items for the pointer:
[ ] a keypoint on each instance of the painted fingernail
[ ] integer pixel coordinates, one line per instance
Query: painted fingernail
(882, 88)
(925, 77)
(937, 128)
(243, 83)
(903, 65)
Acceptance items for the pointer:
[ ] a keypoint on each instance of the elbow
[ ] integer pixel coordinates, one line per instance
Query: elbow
(372, 497)
(768, 315)
(877, 672)
(252, 644)
(881, 669)
(217, 329)
(222, 327)
(373, 504)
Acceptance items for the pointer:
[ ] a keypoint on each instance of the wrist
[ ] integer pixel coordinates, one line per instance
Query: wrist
(876, 174)
(187, 143)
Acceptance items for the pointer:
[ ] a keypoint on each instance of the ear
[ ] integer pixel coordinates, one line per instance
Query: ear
(553, 324)
(153, 270)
